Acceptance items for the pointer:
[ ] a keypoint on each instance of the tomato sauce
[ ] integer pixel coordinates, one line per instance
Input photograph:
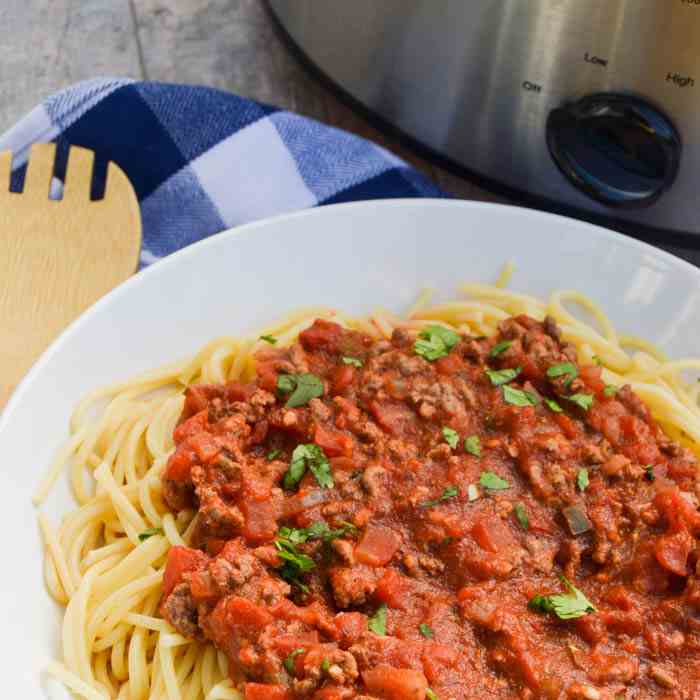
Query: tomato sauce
(436, 517)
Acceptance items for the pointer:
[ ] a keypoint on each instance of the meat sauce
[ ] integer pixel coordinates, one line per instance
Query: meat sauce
(398, 558)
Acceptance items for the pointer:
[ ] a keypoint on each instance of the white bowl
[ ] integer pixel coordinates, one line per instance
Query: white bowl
(353, 256)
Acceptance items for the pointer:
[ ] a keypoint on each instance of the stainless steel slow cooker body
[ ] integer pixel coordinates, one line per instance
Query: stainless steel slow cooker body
(593, 104)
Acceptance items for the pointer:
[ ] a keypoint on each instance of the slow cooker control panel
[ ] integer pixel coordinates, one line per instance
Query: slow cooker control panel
(617, 149)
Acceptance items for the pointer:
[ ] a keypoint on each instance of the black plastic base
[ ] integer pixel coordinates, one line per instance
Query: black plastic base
(684, 245)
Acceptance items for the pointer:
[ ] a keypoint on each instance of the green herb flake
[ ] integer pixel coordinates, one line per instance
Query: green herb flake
(493, 482)
(269, 339)
(518, 397)
(610, 390)
(377, 623)
(425, 630)
(500, 348)
(563, 369)
(449, 492)
(146, 534)
(584, 401)
(275, 452)
(596, 359)
(566, 606)
(289, 661)
(451, 437)
(435, 342)
(313, 458)
(430, 694)
(582, 480)
(499, 377)
(325, 665)
(301, 387)
(521, 516)
(317, 531)
(473, 445)
(553, 406)
(649, 473)
(354, 361)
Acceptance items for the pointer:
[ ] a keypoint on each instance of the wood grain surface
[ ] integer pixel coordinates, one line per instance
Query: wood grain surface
(58, 256)
(230, 44)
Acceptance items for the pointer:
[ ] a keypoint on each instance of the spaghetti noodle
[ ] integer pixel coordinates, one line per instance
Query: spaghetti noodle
(105, 562)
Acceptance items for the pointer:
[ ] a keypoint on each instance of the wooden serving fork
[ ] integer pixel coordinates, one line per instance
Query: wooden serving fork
(57, 257)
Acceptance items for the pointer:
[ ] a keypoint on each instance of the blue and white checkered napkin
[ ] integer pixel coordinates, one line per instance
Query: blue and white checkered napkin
(202, 160)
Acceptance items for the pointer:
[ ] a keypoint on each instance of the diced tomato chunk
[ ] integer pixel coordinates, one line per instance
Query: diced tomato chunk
(341, 378)
(377, 546)
(205, 446)
(392, 589)
(180, 463)
(202, 586)
(287, 643)
(260, 520)
(181, 560)
(193, 425)
(234, 611)
(350, 626)
(450, 364)
(492, 534)
(237, 391)
(330, 693)
(672, 551)
(392, 417)
(392, 683)
(333, 443)
(321, 334)
(264, 691)
(436, 658)
(267, 375)
(568, 426)
(197, 397)
(591, 376)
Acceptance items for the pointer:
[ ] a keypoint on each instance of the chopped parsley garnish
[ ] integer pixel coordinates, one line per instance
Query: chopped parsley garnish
(289, 661)
(430, 694)
(582, 479)
(473, 445)
(518, 397)
(553, 406)
(318, 531)
(584, 401)
(296, 563)
(563, 369)
(143, 536)
(325, 665)
(269, 339)
(425, 630)
(275, 452)
(610, 390)
(566, 606)
(648, 474)
(449, 492)
(521, 516)
(310, 456)
(493, 482)
(499, 348)
(301, 387)
(451, 437)
(377, 623)
(435, 342)
(354, 361)
(499, 377)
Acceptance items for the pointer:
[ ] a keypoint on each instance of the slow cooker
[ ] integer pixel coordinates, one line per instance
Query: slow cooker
(589, 104)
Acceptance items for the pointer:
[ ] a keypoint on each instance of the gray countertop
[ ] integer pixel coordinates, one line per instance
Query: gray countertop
(229, 44)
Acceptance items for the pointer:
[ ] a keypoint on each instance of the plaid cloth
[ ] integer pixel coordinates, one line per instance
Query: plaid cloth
(202, 160)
